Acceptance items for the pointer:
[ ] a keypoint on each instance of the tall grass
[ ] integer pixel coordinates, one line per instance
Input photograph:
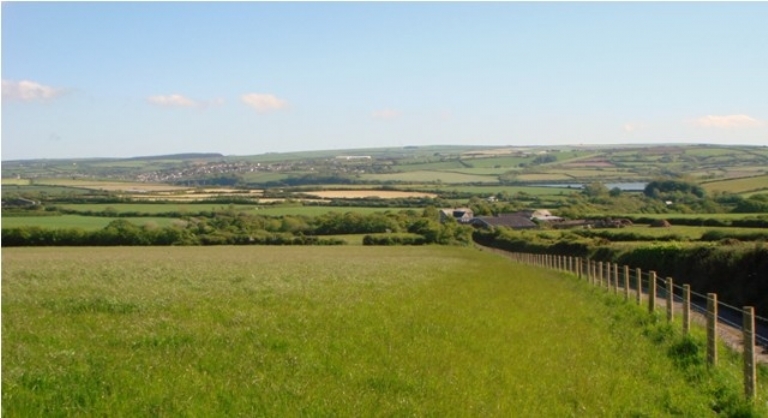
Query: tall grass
(263, 331)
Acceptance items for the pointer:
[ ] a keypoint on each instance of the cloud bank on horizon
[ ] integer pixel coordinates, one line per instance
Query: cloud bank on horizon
(334, 76)
(728, 121)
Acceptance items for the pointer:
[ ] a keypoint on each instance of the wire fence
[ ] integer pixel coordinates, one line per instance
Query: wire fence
(740, 328)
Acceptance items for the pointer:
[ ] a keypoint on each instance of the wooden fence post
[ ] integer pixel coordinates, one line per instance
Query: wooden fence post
(608, 278)
(578, 267)
(626, 283)
(686, 309)
(600, 273)
(670, 299)
(595, 276)
(712, 329)
(615, 278)
(750, 369)
(651, 291)
(639, 281)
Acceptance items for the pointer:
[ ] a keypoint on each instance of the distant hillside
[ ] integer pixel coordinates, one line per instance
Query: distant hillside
(186, 156)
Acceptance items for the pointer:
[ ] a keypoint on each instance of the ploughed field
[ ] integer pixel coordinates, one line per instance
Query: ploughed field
(340, 331)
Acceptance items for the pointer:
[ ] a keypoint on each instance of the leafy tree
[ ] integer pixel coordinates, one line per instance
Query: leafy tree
(665, 188)
(595, 189)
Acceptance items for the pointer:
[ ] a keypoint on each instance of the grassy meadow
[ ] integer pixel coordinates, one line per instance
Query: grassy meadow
(78, 221)
(328, 331)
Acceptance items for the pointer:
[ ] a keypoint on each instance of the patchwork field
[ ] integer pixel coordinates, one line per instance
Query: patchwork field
(110, 185)
(739, 185)
(288, 331)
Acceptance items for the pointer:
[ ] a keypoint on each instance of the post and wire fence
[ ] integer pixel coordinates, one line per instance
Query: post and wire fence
(646, 288)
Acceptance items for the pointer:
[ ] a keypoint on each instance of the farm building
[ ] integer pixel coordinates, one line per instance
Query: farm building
(539, 215)
(461, 215)
(20, 202)
(548, 219)
(513, 221)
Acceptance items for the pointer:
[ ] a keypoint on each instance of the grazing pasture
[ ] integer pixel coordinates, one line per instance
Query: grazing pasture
(110, 185)
(156, 207)
(78, 221)
(739, 185)
(288, 331)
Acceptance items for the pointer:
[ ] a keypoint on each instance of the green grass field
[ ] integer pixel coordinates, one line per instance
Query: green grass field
(289, 331)
(37, 191)
(431, 176)
(78, 221)
(157, 207)
(739, 185)
(320, 210)
(492, 190)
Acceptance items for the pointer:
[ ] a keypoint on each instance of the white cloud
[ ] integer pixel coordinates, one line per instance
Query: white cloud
(173, 100)
(385, 114)
(630, 127)
(29, 91)
(263, 102)
(728, 121)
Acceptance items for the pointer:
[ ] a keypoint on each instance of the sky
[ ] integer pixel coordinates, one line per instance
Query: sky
(91, 79)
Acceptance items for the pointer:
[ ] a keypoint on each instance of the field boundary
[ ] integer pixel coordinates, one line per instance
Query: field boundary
(720, 319)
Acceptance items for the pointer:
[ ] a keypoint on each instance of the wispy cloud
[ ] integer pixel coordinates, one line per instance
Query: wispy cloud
(727, 121)
(629, 127)
(263, 102)
(173, 100)
(385, 114)
(29, 91)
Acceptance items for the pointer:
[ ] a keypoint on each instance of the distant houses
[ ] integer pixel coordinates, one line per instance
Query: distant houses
(461, 215)
(466, 216)
(527, 219)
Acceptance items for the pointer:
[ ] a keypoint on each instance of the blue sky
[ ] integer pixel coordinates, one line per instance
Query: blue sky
(132, 79)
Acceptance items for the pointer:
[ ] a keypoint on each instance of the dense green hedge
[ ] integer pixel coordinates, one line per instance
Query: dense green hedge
(132, 236)
(394, 239)
(759, 221)
(736, 271)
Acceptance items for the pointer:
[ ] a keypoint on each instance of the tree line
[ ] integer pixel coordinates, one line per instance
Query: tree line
(230, 227)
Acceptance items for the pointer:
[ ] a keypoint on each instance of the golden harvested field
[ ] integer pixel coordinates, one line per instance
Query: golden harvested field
(15, 182)
(354, 194)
